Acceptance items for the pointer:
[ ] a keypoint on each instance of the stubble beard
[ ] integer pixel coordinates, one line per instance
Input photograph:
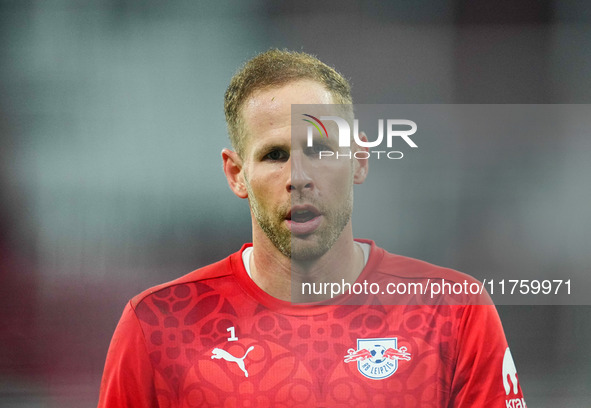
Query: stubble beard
(305, 248)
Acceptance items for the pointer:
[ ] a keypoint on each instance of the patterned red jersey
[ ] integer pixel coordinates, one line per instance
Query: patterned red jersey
(213, 338)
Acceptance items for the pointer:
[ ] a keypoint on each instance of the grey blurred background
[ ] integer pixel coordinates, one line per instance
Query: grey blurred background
(111, 125)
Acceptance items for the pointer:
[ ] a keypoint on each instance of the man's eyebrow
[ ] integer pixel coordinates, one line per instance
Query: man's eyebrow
(269, 146)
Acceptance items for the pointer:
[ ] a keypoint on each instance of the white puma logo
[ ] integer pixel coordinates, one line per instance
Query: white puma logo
(223, 354)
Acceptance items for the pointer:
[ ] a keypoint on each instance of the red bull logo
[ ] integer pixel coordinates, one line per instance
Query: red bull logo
(377, 358)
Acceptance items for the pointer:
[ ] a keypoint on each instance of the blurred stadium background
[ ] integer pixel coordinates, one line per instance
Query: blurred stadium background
(111, 124)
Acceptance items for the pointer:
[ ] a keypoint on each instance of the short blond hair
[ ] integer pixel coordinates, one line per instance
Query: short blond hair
(275, 68)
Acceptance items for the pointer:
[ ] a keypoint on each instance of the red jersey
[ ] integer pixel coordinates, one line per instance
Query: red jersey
(213, 338)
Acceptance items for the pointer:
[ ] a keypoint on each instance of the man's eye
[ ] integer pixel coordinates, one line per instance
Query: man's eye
(317, 148)
(276, 155)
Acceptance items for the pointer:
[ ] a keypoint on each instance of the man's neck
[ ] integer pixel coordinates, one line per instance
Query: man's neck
(282, 277)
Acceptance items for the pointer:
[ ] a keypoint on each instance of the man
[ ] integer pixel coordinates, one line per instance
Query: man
(235, 333)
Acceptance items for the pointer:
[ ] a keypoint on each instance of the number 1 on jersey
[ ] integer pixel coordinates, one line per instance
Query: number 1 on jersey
(232, 334)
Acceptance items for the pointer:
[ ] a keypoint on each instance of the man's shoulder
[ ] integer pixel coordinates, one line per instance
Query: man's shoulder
(206, 275)
(432, 283)
(411, 268)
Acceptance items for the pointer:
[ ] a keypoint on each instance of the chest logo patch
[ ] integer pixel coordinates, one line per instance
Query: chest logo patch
(223, 354)
(377, 358)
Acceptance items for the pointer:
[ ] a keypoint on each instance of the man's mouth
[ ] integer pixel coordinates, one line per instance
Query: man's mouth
(302, 215)
(303, 219)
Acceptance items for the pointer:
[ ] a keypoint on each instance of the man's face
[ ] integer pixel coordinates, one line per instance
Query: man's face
(300, 202)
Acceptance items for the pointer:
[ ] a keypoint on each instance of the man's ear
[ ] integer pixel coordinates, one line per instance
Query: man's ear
(233, 170)
(361, 165)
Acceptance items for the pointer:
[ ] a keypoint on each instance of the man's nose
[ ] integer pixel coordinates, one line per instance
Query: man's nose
(300, 176)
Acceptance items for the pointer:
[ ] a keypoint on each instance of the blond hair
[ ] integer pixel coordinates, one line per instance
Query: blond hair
(275, 68)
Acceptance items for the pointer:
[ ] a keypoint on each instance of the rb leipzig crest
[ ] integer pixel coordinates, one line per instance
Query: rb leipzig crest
(377, 358)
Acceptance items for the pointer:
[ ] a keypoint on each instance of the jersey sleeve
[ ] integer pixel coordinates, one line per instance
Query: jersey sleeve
(128, 374)
(485, 375)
